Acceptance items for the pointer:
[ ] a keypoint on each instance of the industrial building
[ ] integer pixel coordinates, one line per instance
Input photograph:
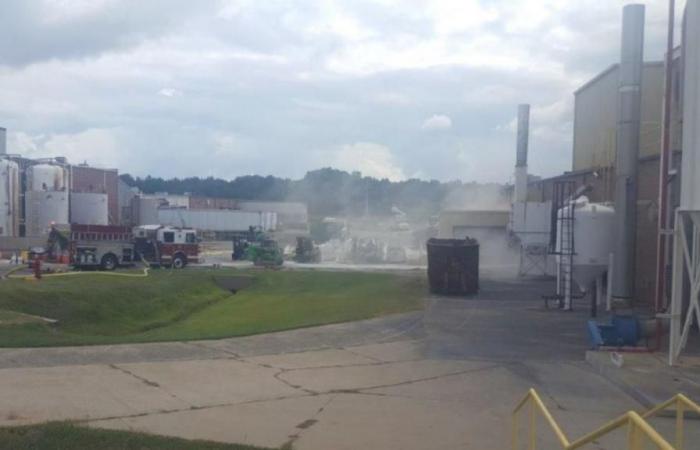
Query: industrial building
(604, 229)
(215, 218)
(595, 142)
(488, 227)
(34, 194)
(594, 160)
(634, 163)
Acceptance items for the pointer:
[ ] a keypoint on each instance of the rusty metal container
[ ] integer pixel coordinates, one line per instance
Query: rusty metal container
(453, 266)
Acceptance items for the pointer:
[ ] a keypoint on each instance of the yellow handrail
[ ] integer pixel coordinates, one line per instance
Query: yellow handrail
(637, 427)
(681, 403)
(536, 404)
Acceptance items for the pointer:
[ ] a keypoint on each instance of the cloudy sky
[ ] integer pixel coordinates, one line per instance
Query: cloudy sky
(392, 88)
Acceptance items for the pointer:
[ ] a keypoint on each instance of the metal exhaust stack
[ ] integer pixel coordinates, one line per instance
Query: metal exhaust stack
(3, 141)
(627, 144)
(520, 190)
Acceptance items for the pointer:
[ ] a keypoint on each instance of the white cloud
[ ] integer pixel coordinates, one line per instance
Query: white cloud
(437, 122)
(169, 92)
(372, 159)
(97, 146)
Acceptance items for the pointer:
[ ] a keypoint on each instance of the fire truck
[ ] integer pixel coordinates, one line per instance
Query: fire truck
(108, 247)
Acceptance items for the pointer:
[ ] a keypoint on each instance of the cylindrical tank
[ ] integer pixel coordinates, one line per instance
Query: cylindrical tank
(9, 198)
(44, 208)
(594, 224)
(46, 177)
(89, 208)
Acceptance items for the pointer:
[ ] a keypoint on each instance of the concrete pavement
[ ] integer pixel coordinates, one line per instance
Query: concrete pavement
(445, 378)
(359, 397)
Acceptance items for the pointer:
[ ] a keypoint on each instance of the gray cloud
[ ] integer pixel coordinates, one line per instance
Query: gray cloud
(226, 88)
(38, 30)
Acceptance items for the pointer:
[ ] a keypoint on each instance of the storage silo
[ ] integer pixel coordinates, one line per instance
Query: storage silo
(89, 208)
(43, 209)
(593, 239)
(46, 177)
(46, 198)
(9, 198)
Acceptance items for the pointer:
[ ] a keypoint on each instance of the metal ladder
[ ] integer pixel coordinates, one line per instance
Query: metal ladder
(566, 252)
(561, 242)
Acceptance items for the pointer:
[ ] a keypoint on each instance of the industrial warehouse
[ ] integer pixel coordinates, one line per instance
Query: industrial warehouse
(558, 311)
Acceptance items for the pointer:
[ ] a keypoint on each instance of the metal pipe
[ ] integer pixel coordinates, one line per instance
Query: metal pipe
(627, 145)
(663, 222)
(520, 190)
(3, 141)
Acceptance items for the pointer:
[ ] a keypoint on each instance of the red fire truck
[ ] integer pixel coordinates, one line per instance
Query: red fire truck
(108, 246)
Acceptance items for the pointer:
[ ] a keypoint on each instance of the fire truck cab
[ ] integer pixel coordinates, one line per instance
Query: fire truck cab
(170, 246)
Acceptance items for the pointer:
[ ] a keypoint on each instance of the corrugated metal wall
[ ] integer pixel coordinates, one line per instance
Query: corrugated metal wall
(210, 219)
(595, 117)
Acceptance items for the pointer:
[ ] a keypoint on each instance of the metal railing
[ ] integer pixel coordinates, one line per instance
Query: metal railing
(536, 406)
(681, 404)
(638, 429)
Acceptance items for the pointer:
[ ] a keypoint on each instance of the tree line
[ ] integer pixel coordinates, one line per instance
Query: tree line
(327, 192)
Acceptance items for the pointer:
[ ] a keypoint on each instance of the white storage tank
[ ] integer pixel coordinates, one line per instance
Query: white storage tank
(44, 208)
(594, 225)
(9, 198)
(46, 177)
(89, 208)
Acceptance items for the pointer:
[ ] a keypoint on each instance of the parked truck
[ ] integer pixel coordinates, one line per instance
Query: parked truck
(108, 247)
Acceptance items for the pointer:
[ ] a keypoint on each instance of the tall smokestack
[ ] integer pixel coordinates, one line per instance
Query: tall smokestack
(629, 96)
(520, 194)
(3, 141)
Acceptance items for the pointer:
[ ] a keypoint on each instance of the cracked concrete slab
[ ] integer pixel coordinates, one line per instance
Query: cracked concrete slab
(76, 392)
(267, 423)
(470, 387)
(391, 351)
(392, 423)
(377, 375)
(311, 359)
(214, 382)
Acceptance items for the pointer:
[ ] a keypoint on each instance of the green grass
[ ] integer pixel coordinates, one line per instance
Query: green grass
(188, 304)
(66, 436)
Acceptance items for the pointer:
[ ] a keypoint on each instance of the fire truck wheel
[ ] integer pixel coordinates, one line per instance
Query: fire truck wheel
(109, 262)
(178, 262)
